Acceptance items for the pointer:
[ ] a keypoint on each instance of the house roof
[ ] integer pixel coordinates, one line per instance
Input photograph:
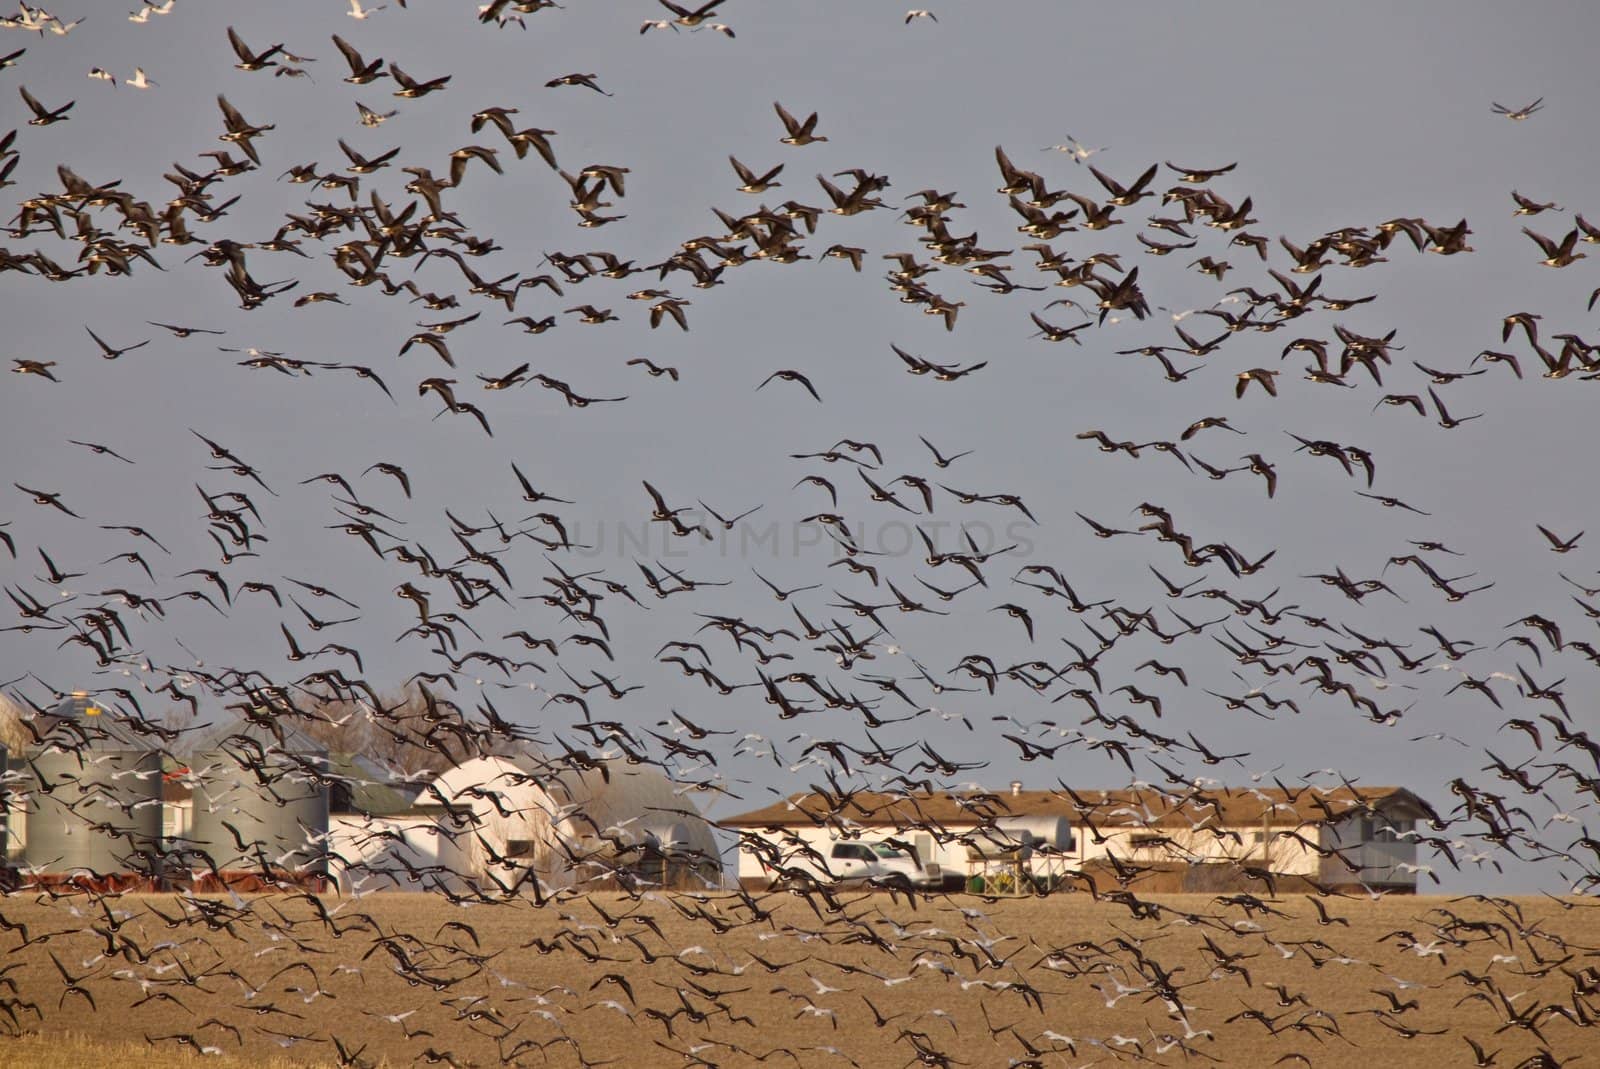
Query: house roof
(1145, 807)
(366, 789)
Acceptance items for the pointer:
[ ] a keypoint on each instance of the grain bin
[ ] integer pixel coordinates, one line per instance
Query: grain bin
(91, 796)
(7, 800)
(260, 800)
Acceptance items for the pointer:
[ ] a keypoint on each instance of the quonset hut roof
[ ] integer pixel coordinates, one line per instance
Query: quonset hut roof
(550, 803)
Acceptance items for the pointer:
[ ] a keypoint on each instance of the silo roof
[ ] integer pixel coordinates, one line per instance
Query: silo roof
(87, 724)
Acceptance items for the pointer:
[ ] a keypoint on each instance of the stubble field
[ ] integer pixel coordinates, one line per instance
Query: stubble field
(412, 979)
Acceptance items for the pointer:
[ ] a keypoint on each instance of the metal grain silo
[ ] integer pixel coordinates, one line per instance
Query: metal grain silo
(92, 796)
(7, 801)
(260, 796)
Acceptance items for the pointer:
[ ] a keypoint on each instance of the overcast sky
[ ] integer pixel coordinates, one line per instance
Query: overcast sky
(1335, 118)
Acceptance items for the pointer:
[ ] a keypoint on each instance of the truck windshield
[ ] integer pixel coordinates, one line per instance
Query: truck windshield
(885, 850)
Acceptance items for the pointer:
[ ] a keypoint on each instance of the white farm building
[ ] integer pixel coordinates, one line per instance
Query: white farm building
(500, 823)
(1334, 837)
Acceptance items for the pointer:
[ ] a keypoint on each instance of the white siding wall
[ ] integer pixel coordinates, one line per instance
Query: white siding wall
(375, 846)
(1268, 848)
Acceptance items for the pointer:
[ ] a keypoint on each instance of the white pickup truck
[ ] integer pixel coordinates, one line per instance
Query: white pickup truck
(876, 864)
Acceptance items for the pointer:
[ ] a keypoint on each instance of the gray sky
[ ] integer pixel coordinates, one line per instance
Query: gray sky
(1335, 119)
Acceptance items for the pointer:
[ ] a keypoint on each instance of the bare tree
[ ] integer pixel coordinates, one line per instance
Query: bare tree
(411, 730)
(14, 733)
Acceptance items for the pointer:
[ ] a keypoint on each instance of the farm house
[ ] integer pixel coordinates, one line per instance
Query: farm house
(503, 821)
(1337, 837)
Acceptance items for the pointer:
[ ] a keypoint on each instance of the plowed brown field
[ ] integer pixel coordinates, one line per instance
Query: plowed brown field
(412, 979)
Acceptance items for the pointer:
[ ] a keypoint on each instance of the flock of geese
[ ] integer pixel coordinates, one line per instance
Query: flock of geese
(517, 638)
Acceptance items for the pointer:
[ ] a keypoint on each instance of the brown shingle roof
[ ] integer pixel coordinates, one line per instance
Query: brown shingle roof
(1229, 807)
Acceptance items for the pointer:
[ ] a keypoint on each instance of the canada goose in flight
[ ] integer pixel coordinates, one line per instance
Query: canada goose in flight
(361, 71)
(1445, 378)
(653, 369)
(691, 17)
(1519, 113)
(240, 132)
(184, 332)
(1490, 356)
(43, 116)
(1557, 254)
(943, 372)
(788, 375)
(939, 459)
(1017, 181)
(1558, 544)
(515, 376)
(852, 253)
(799, 133)
(1398, 399)
(110, 352)
(1445, 419)
(410, 88)
(1199, 175)
(728, 522)
(442, 387)
(538, 139)
(854, 202)
(250, 60)
(1257, 375)
(1122, 197)
(1051, 332)
(1525, 206)
(588, 313)
(585, 80)
(670, 306)
(1202, 424)
(1392, 502)
(42, 497)
(35, 367)
(360, 164)
(757, 184)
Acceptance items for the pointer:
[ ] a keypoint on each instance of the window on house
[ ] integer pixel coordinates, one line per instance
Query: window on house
(519, 847)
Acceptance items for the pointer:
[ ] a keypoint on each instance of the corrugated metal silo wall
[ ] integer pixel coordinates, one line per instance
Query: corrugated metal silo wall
(7, 801)
(102, 814)
(282, 805)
